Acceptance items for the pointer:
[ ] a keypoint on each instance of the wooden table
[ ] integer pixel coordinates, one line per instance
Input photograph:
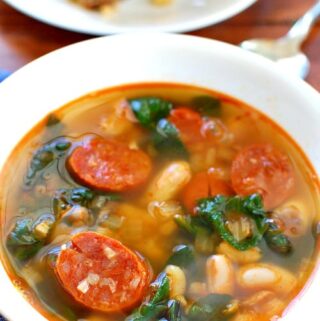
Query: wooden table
(23, 39)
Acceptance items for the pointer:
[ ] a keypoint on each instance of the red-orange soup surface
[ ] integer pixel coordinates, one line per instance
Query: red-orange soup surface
(158, 202)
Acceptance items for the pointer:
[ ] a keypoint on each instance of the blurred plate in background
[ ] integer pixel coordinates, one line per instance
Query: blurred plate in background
(132, 15)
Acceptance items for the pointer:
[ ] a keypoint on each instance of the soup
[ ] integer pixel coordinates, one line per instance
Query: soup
(158, 202)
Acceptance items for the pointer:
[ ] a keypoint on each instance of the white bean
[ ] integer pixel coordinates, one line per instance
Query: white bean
(220, 275)
(169, 182)
(240, 257)
(178, 282)
(262, 276)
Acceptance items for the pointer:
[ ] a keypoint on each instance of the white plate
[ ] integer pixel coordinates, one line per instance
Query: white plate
(132, 15)
(53, 80)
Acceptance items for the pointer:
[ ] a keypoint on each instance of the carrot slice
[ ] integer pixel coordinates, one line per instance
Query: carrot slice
(204, 184)
(217, 186)
(196, 189)
(101, 273)
(261, 168)
(106, 165)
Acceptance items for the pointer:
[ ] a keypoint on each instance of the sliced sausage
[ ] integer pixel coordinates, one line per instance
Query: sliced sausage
(261, 168)
(102, 274)
(107, 165)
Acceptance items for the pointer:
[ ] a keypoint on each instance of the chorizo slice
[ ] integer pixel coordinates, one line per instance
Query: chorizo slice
(261, 168)
(102, 274)
(106, 165)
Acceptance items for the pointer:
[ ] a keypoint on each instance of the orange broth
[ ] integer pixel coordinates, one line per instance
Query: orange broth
(237, 126)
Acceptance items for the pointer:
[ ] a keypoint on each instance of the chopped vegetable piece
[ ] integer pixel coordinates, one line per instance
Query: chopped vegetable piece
(42, 226)
(263, 169)
(210, 308)
(150, 110)
(107, 165)
(87, 256)
(183, 256)
(207, 105)
(166, 140)
(214, 211)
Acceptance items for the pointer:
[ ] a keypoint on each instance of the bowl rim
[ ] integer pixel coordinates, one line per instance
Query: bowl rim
(196, 45)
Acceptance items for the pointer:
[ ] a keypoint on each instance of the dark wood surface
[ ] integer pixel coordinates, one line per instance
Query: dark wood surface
(23, 39)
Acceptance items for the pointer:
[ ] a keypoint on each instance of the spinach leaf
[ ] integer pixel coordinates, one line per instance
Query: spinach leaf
(183, 256)
(149, 110)
(166, 140)
(214, 210)
(148, 312)
(45, 156)
(276, 240)
(22, 233)
(207, 105)
(151, 113)
(24, 252)
(152, 311)
(209, 308)
(28, 235)
(65, 198)
(174, 311)
(193, 224)
(157, 306)
(161, 288)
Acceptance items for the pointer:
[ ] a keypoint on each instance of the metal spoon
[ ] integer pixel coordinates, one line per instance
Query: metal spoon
(286, 50)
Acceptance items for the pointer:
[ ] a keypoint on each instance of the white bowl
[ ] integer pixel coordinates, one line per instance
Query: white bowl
(68, 73)
(132, 15)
